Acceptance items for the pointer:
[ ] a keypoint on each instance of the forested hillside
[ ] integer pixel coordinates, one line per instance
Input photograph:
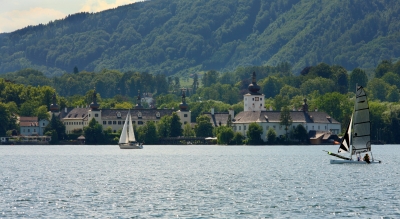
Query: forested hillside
(174, 36)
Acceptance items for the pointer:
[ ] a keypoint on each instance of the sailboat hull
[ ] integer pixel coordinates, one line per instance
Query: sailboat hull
(353, 162)
(131, 146)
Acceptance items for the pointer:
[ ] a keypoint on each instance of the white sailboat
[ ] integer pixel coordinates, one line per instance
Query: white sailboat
(127, 139)
(357, 139)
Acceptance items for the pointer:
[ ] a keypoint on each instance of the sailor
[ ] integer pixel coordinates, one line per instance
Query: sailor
(366, 158)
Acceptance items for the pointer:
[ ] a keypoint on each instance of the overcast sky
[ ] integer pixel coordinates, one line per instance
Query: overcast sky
(17, 14)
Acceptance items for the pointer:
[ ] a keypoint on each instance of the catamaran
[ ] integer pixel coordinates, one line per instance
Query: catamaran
(357, 139)
(127, 139)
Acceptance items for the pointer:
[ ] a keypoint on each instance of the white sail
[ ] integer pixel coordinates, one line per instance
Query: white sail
(131, 135)
(123, 139)
(361, 123)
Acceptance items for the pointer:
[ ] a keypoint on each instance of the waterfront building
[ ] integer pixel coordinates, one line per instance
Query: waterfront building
(254, 110)
(75, 119)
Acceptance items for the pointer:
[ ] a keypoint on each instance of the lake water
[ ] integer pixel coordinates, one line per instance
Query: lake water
(195, 182)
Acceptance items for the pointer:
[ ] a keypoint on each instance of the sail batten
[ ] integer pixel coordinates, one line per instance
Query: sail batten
(361, 123)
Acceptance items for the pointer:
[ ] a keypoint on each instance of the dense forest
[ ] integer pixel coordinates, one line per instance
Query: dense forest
(186, 37)
(328, 88)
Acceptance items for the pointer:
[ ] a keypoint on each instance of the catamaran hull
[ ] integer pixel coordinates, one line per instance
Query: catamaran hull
(353, 162)
(130, 146)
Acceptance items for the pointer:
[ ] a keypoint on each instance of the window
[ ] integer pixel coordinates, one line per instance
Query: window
(244, 127)
(114, 122)
(115, 131)
(260, 98)
(34, 130)
(184, 122)
(29, 130)
(119, 122)
(240, 127)
(43, 124)
(257, 98)
(104, 123)
(140, 122)
(96, 115)
(184, 115)
(109, 122)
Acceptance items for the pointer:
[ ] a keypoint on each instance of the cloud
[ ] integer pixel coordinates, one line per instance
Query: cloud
(17, 19)
(101, 5)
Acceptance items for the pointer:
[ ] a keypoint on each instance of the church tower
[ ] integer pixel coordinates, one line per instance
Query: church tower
(54, 108)
(139, 101)
(184, 113)
(254, 100)
(94, 111)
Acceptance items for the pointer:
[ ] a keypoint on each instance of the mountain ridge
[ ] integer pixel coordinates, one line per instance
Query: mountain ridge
(181, 37)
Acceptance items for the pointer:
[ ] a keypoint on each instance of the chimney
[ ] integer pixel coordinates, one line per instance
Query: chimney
(232, 113)
(212, 111)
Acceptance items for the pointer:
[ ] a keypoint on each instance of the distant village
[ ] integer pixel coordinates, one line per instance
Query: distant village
(321, 127)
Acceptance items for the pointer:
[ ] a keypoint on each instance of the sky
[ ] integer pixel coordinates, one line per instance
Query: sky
(17, 14)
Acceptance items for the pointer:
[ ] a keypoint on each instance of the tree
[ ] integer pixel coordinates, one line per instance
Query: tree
(285, 119)
(224, 135)
(42, 113)
(237, 138)
(150, 133)
(188, 131)
(76, 71)
(94, 133)
(176, 125)
(378, 89)
(384, 67)
(300, 133)
(55, 127)
(195, 84)
(254, 134)
(359, 77)
(210, 78)
(164, 126)
(203, 128)
(6, 119)
(271, 136)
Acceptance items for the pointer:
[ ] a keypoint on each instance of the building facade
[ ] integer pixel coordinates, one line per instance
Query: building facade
(75, 119)
(254, 111)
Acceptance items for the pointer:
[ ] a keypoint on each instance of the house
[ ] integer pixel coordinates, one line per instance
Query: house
(31, 126)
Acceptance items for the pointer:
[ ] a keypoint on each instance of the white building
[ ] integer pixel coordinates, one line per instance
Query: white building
(78, 118)
(254, 111)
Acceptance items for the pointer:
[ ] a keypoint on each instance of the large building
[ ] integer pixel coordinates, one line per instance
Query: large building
(76, 119)
(255, 111)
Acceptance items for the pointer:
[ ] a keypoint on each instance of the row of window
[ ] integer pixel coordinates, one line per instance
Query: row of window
(280, 128)
(29, 130)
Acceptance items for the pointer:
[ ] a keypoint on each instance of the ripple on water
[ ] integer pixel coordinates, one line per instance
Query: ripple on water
(194, 182)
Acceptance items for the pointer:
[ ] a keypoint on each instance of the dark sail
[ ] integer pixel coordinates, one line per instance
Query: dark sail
(345, 145)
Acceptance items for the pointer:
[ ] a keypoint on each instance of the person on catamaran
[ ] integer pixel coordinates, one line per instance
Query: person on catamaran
(358, 157)
(366, 158)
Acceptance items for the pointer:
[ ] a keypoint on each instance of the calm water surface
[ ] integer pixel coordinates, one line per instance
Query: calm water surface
(195, 182)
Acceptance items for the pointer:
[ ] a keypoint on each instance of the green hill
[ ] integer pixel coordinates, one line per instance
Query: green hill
(175, 36)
